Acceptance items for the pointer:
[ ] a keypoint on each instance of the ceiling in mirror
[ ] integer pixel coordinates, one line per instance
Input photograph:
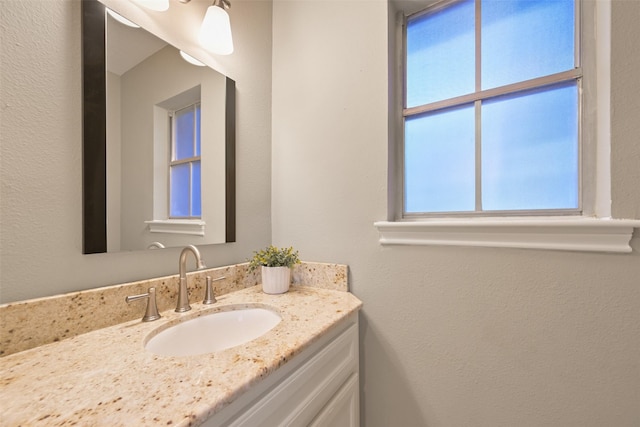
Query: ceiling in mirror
(128, 46)
(132, 138)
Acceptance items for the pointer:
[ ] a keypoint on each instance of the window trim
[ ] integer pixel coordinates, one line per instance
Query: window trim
(192, 227)
(556, 233)
(593, 231)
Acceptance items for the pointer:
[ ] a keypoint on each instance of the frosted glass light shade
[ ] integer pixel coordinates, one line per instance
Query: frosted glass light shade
(157, 5)
(215, 31)
(191, 60)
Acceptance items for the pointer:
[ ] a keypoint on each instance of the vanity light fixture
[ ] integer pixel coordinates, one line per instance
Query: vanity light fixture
(191, 60)
(157, 5)
(121, 19)
(215, 31)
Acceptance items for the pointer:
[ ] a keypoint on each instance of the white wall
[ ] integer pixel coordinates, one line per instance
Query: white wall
(450, 336)
(41, 139)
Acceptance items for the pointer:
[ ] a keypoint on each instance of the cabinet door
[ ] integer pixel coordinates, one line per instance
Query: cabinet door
(300, 397)
(343, 410)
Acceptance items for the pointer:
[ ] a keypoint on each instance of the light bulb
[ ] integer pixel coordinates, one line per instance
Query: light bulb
(215, 31)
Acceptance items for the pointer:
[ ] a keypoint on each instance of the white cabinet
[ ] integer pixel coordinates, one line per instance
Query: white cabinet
(343, 409)
(318, 387)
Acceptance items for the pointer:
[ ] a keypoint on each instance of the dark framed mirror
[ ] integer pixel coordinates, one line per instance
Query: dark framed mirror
(95, 172)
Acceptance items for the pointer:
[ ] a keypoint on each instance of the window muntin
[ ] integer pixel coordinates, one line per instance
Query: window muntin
(184, 167)
(525, 89)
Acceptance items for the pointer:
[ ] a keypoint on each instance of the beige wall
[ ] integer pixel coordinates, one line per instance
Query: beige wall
(625, 126)
(450, 336)
(41, 137)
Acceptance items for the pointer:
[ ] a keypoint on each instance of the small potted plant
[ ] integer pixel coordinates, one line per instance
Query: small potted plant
(275, 264)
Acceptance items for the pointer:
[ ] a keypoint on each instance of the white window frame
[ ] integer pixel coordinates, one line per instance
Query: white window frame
(592, 231)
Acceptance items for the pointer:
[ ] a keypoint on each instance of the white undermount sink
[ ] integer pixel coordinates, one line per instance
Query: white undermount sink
(213, 332)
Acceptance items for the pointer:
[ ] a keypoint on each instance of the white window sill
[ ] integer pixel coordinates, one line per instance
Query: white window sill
(192, 227)
(557, 233)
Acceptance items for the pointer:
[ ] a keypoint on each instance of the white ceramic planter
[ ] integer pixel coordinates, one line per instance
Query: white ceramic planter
(276, 280)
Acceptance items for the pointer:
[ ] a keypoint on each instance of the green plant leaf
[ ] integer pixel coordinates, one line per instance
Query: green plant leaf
(272, 256)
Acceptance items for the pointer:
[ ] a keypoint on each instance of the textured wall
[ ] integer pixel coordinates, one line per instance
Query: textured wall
(450, 336)
(41, 137)
(625, 93)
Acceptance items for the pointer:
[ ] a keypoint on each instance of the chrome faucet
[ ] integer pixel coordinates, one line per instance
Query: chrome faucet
(183, 295)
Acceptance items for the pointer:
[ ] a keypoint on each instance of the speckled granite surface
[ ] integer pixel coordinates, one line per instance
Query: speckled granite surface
(32, 323)
(105, 377)
(326, 276)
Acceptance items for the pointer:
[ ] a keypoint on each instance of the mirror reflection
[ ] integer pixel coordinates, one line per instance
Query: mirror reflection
(167, 144)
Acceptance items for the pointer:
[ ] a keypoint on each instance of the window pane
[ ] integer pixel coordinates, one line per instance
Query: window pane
(440, 54)
(525, 39)
(440, 161)
(179, 205)
(530, 150)
(196, 205)
(184, 133)
(197, 130)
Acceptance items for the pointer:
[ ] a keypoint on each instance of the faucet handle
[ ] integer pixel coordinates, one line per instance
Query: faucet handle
(209, 297)
(151, 313)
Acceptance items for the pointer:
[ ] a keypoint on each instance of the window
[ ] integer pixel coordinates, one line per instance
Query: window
(502, 138)
(184, 167)
(179, 164)
(492, 109)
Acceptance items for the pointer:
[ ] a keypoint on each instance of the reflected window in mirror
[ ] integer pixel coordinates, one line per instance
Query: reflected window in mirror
(180, 164)
(184, 167)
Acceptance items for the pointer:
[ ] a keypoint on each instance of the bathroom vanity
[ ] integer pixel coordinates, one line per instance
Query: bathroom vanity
(302, 372)
(319, 387)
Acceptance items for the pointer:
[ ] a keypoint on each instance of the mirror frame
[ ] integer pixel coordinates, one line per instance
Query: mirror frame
(94, 135)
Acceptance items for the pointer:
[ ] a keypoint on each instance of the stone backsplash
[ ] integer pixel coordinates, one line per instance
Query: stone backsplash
(31, 323)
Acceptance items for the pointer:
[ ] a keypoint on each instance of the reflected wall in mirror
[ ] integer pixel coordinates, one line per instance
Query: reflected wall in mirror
(153, 194)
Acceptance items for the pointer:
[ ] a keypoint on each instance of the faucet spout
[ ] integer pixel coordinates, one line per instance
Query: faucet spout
(183, 295)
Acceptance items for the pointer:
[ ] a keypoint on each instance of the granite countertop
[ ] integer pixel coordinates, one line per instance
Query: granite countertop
(105, 377)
